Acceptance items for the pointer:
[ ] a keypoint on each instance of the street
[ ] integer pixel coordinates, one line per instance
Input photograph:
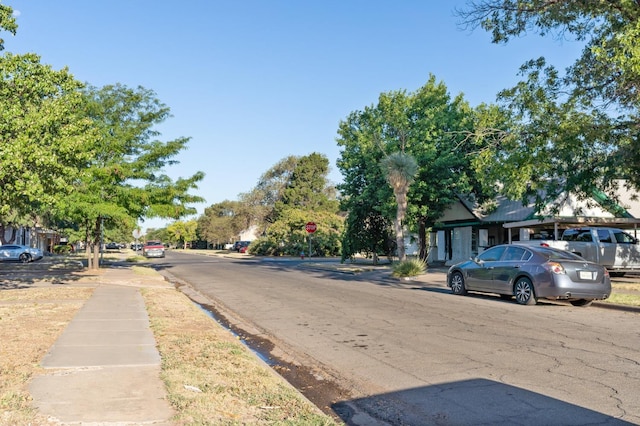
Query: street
(411, 353)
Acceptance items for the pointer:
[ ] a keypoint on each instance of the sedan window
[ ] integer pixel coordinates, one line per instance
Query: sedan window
(492, 254)
(515, 254)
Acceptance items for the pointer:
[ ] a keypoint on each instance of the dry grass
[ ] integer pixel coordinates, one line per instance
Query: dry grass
(625, 294)
(212, 378)
(31, 320)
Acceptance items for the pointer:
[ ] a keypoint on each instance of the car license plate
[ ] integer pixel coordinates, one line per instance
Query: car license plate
(585, 275)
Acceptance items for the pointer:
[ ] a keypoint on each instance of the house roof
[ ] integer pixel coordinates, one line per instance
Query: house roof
(506, 211)
(570, 210)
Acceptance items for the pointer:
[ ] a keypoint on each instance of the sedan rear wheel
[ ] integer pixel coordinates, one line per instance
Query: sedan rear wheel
(524, 291)
(457, 284)
(25, 258)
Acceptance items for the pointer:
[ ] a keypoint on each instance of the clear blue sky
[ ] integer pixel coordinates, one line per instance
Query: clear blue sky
(253, 81)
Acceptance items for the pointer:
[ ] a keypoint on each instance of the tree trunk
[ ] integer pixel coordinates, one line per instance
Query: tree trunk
(96, 256)
(397, 225)
(401, 199)
(422, 239)
(93, 245)
(87, 252)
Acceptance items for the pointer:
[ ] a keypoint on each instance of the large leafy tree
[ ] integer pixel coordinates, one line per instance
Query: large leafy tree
(302, 194)
(572, 131)
(44, 136)
(427, 125)
(366, 193)
(7, 22)
(125, 182)
(261, 201)
(308, 187)
(183, 232)
(222, 222)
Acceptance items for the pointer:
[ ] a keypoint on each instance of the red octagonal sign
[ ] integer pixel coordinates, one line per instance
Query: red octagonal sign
(311, 227)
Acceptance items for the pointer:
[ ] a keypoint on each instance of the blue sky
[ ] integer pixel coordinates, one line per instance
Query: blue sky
(251, 82)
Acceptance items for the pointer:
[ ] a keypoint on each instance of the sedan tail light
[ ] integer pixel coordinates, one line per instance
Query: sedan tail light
(554, 267)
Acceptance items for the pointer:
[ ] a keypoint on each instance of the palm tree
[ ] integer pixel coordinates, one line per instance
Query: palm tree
(400, 169)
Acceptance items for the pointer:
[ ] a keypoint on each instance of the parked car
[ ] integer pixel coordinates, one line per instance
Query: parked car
(613, 248)
(153, 249)
(112, 246)
(20, 253)
(243, 249)
(239, 244)
(136, 247)
(529, 273)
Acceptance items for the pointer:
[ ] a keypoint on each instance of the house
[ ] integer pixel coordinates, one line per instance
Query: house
(41, 238)
(466, 228)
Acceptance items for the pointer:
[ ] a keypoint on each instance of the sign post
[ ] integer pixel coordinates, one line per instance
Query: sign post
(137, 233)
(310, 227)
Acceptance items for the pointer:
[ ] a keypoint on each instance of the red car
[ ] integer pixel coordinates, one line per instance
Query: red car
(243, 249)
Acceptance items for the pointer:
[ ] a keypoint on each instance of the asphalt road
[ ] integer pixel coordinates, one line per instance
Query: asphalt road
(411, 353)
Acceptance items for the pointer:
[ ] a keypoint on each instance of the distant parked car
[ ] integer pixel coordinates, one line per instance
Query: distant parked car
(153, 249)
(20, 253)
(529, 273)
(136, 247)
(112, 246)
(243, 249)
(239, 244)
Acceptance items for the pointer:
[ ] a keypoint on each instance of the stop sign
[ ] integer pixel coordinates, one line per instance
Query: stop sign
(311, 227)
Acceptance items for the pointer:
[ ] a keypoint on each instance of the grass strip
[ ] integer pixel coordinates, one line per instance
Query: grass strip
(212, 378)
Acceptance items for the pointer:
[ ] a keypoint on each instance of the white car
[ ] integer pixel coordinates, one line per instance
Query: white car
(19, 253)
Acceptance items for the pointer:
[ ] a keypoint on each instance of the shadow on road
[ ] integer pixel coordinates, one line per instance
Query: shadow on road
(469, 402)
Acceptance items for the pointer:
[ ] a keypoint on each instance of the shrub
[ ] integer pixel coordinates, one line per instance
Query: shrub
(62, 249)
(409, 268)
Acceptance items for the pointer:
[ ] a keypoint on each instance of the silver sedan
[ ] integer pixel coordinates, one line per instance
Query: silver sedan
(529, 273)
(20, 253)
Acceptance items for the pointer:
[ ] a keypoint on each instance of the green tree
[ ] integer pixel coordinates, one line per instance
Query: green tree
(222, 222)
(44, 136)
(427, 125)
(183, 232)
(125, 182)
(572, 131)
(300, 194)
(365, 192)
(7, 22)
(308, 187)
(160, 234)
(260, 202)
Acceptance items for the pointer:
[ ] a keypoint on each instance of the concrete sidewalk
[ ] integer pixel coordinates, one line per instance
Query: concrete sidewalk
(105, 368)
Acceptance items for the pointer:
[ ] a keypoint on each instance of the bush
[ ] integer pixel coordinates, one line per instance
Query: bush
(62, 249)
(409, 268)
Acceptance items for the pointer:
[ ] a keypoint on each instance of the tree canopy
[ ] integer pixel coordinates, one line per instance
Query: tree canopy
(427, 124)
(45, 134)
(124, 181)
(7, 22)
(575, 130)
